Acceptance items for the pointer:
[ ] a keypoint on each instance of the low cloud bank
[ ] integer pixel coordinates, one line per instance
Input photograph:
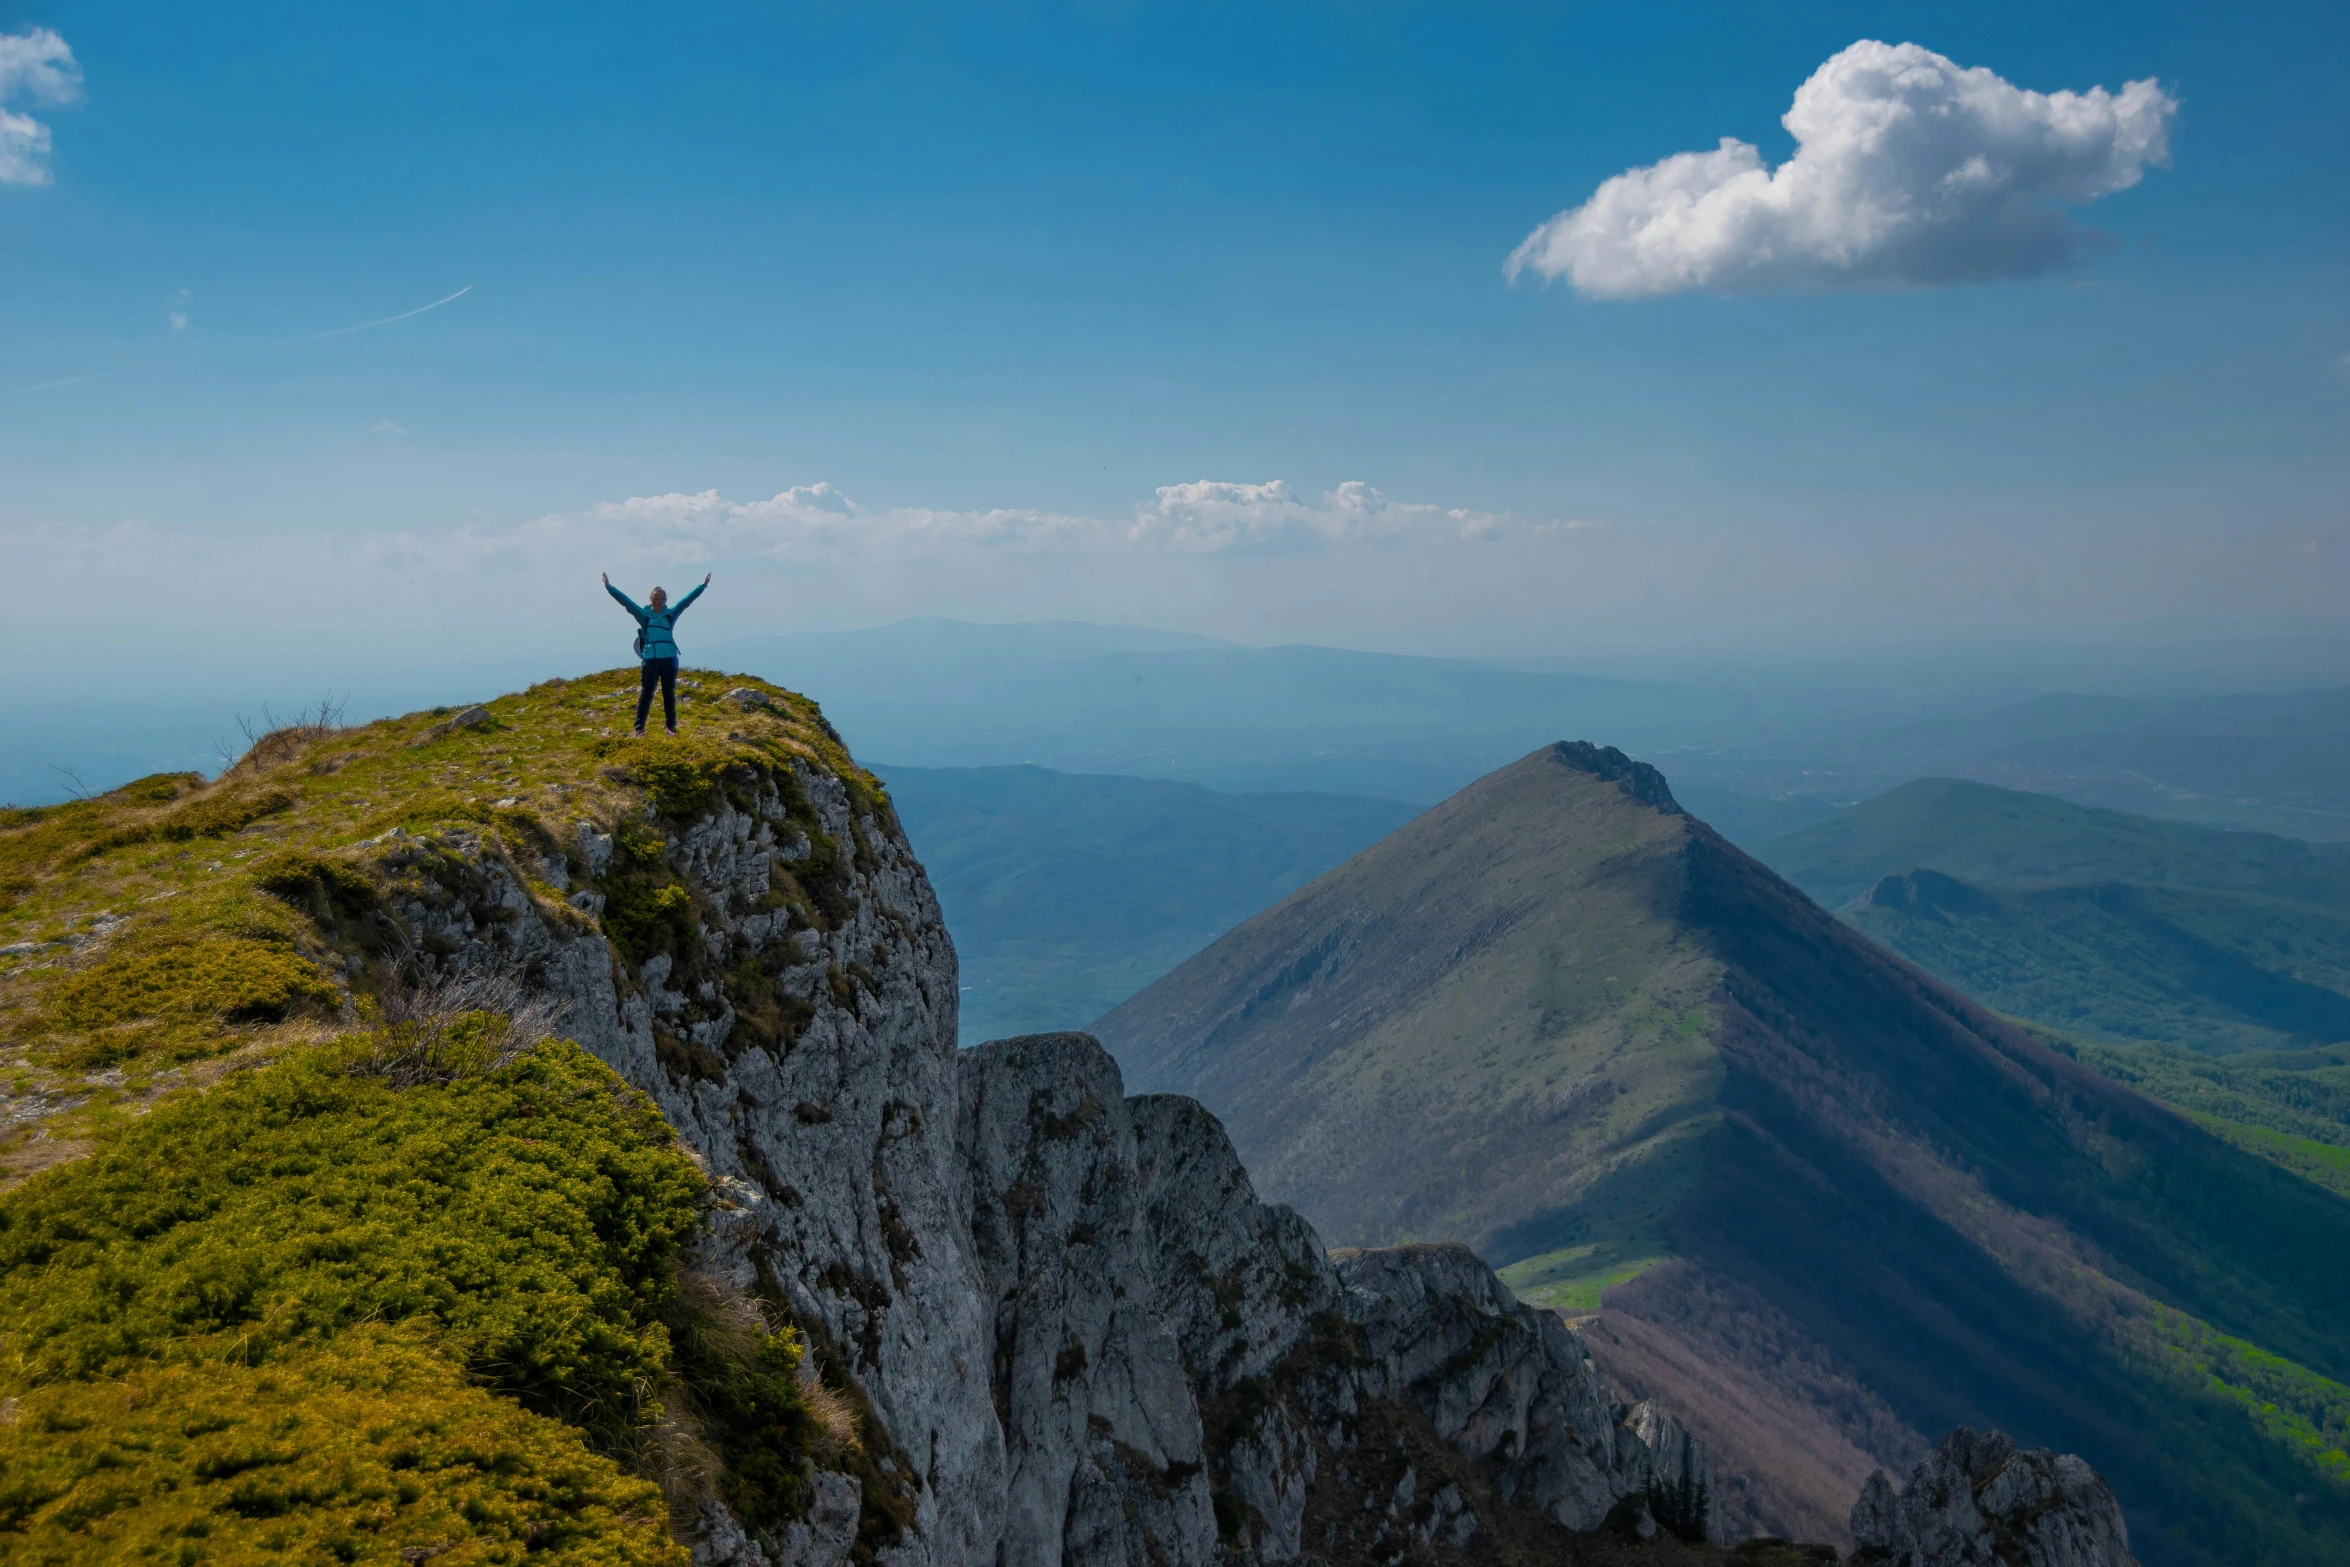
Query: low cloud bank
(1204, 517)
(1908, 169)
(1254, 561)
(1231, 558)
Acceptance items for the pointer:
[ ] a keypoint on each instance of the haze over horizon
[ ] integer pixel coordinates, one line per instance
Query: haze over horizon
(1366, 326)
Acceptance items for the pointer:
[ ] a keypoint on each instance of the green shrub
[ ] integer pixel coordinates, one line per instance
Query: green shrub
(172, 998)
(316, 883)
(644, 916)
(646, 908)
(532, 1215)
(681, 776)
(233, 1259)
(739, 1384)
(210, 815)
(154, 789)
(360, 1449)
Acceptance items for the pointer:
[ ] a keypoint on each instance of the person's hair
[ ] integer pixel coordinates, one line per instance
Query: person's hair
(660, 596)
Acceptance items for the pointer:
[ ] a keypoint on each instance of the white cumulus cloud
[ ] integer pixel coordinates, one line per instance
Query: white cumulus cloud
(1908, 169)
(35, 66)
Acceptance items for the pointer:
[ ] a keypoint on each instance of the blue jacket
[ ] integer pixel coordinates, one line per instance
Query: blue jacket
(657, 623)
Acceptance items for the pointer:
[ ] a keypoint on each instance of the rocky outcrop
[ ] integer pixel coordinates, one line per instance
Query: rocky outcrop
(1634, 780)
(1081, 1338)
(1179, 1363)
(1980, 1500)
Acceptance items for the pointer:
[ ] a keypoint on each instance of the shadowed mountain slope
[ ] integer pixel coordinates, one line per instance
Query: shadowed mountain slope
(2112, 926)
(2109, 960)
(1828, 1206)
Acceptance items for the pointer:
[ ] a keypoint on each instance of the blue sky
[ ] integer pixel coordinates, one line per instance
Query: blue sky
(1009, 278)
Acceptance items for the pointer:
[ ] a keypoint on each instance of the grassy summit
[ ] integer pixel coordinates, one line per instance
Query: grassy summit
(308, 1256)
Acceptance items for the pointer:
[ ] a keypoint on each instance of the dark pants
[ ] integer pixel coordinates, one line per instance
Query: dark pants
(663, 670)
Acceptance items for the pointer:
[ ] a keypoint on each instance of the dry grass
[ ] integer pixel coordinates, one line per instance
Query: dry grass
(437, 1028)
(276, 740)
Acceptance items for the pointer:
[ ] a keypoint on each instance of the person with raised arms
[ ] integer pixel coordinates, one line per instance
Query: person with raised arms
(656, 644)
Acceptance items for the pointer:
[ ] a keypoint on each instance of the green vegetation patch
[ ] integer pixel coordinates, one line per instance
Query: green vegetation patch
(681, 777)
(372, 1447)
(321, 885)
(314, 1315)
(2291, 1108)
(2322, 1164)
(2299, 1093)
(532, 1216)
(208, 816)
(1572, 1280)
(172, 998)
(647, 908)
(2301, 1412)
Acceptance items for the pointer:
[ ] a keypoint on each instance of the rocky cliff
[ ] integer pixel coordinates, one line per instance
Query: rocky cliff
(1982, 1500)
(1081, 1337)
(314, 1245)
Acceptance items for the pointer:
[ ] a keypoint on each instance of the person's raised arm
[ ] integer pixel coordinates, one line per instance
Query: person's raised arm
(626, 602)
(678, 608)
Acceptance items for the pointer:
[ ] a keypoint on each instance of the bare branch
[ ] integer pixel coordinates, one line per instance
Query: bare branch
(275, 740)
(437, 1028)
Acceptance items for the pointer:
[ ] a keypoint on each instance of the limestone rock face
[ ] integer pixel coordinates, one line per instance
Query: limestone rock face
(832, 1138)
(1245, 1396)
(1981, 1500)
(1099, 1422)
(1083, 1341)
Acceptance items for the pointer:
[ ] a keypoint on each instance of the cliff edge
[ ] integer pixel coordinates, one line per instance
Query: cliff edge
(912, 1307)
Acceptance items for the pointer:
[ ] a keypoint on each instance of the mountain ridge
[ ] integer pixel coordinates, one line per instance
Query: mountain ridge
(1840, 1157)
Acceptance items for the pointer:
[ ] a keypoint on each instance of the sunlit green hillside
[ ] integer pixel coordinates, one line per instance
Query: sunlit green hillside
(314, 1253)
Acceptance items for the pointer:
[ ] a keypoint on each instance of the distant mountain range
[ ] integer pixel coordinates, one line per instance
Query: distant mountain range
(1066, 893)
(1761, 760)
(2106, 925)
(1822, 1203)
(2274, 761)
(1758, 751)
(1114, 700)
